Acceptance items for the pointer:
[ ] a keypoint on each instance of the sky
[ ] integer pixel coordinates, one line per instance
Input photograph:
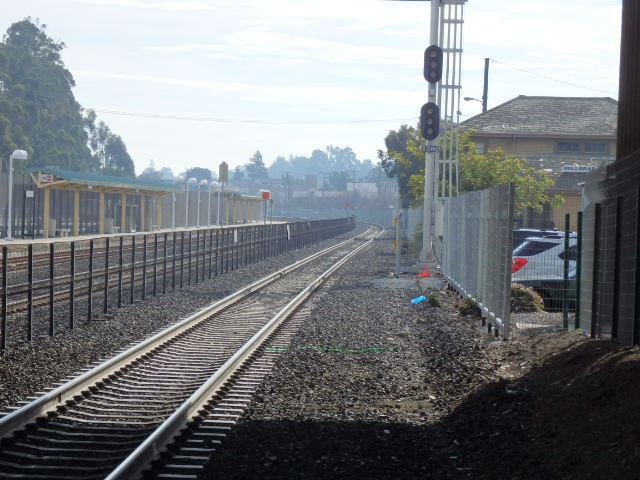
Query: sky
(192, 83)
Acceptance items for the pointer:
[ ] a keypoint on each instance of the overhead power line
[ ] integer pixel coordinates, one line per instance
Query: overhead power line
(551, 78)
(251, 121)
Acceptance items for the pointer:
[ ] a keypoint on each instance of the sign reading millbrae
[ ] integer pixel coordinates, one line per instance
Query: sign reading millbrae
(577, 168)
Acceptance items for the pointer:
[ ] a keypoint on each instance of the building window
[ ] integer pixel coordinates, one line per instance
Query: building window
(568, 147)
(595, 148)
(480, 147)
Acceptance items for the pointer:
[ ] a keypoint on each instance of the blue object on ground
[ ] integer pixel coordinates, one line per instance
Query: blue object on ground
(419, 299)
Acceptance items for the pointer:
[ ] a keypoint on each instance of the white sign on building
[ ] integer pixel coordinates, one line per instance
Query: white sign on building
(578, 168)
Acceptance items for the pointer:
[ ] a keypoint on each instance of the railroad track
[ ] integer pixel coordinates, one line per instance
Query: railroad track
(161, 407)
(166, 268)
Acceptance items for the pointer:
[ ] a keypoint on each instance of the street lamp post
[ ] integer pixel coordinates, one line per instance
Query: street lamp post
(186, 203)
(18, 155)
(173, 210)
(202, 182)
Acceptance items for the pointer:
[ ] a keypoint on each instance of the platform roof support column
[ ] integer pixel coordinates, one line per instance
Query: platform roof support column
(76, 213)
(46, 213)
(143, 200)
(159, 211)
(101, 213)
(123, 213)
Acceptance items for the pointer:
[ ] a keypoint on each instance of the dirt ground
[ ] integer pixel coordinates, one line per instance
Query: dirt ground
(583, 396)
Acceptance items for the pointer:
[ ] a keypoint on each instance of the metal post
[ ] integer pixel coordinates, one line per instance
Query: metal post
(198, 208)
(396, 222)
(133, 269)
(186, 206)
(164, 266)
(485, 88)
(72, 284)
(426, 254)
(155, 264)
(218, 213)
(120, 255)
(5, 298)
(173, 210)
(579, 270)
(565, 276)
(209, 208)
(51, 289)
(105, 303)
(144, 267)
(90, 287)
(10, 199)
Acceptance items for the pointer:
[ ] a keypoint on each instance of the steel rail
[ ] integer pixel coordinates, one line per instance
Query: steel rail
(157, 442)
(38, 407)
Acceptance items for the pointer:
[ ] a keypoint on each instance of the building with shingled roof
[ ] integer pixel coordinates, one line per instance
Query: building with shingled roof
(565, 137)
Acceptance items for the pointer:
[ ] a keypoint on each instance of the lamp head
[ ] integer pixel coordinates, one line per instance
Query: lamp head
(19, 155)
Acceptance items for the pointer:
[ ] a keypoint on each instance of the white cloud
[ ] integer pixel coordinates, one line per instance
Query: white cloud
(168, 6)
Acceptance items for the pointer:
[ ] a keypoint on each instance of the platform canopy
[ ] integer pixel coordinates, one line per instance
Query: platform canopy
(55, 179)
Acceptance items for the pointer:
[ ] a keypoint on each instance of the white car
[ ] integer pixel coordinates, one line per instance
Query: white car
(539, 258)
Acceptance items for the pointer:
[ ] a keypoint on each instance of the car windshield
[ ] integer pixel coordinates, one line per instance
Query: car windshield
(532, 247)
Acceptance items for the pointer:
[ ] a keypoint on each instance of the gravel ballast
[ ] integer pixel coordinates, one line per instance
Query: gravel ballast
(375, 387)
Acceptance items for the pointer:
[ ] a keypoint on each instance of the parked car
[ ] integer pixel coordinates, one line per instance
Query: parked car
(521, 234)
(538, 262)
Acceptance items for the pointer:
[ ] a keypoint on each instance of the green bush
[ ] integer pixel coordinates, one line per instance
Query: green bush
(525, 299)
(435, 301)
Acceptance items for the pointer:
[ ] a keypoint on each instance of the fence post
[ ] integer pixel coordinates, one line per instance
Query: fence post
(578, 270)
(133, 269)
(120, 255)
(596, 260)
(72, 285)
(30, 292)
(90, 281)
(144, 267)
(5, 297)
(155, 264)
(565, 274)
(164, 265)
(105, 302)
(51, 289)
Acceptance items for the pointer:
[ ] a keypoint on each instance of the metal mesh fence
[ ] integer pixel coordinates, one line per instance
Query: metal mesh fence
(476, 251)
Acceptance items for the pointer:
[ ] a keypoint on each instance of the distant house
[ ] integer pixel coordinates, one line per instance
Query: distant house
(565, 137)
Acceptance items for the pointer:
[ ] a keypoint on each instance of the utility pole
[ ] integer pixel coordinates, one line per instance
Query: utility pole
(485, 88)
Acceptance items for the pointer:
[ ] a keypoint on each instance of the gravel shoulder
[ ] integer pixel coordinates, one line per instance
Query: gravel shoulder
(375, 387)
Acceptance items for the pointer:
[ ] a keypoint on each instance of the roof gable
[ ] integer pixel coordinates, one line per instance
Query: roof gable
(549, 116)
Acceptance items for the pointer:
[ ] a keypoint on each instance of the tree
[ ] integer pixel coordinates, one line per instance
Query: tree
(199, 173)
(479, 171)
(109, 152)
(238, 174)
(339, 180)
(118, 161)
(401, 160)
(38, 111)
(405, 158)
(256, 169)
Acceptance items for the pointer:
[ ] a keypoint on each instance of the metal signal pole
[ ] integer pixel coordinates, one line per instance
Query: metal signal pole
(426, 254)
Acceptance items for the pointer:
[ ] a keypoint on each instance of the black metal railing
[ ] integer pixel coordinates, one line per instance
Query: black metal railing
(47, 286)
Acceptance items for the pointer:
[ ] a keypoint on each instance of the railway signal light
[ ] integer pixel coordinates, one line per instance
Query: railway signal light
(433, 64)
(430, 121)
